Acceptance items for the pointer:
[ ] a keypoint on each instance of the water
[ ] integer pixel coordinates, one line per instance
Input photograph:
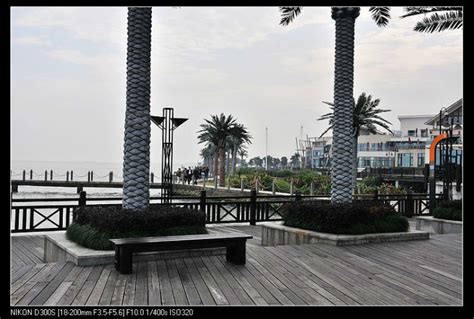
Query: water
(101, 173)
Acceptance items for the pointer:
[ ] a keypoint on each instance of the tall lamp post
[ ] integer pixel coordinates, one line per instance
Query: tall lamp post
(167, 123)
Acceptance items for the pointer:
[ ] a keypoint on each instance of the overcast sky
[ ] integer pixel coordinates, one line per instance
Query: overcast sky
(68, 70)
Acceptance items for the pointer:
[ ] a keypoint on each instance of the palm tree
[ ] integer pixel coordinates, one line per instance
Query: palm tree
(136, 160)
(217, 132)
(294, 160)
(365, 115)
(450, 19)
(242, 152)
(208, 153)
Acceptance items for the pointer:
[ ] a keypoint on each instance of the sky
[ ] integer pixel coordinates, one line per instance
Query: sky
(68, 76)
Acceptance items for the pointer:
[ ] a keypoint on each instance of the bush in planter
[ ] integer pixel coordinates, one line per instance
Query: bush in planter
(451, 210)
(95, 225)
(360, 217)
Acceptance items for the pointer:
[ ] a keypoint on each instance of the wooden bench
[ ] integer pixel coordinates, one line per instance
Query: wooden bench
(125, 247)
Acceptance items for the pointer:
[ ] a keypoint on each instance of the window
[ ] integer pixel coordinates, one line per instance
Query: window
(411, 160)
(424, 132)
(399, 160)
(421, 159)
(411, 133)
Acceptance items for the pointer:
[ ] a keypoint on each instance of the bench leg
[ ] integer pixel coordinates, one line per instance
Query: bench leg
(236, 253)
(123, 260)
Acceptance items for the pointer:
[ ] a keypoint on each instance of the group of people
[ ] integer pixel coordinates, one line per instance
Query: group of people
(189, 174)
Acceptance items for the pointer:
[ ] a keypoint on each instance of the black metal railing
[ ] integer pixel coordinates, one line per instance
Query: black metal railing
(52, 214)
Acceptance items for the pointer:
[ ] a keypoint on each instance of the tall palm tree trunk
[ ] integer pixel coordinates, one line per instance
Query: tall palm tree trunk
(215, 171)
(234, 159)
(136, 160)
(355, 162)
(341, 177)
(221, 166)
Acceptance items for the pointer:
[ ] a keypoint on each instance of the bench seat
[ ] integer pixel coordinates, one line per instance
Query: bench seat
(235, 244)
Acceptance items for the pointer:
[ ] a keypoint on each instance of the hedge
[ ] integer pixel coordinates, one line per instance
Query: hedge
(361, 217)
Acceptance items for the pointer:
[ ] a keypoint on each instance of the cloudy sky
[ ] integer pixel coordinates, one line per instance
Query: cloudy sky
(68, 75)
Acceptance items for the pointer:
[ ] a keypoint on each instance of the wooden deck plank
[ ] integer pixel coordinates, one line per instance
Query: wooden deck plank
(129, 293)
(295, 292)
(17, 272)
(88, 286)
(26, 279)
(244, 298)
(153, 281)
(107, 294)
(99, 287)
(141, 292)
(253, 293)
(52, 284)
(176, 283)
(211, 284)
(34, 285)
(192, 294)
(199, 284)
(64, 286)
(30, 247)
(412, 269)
(167, 297)
(271, 283)
(41, 283)
(119, 289)
(75, 286)
(224, 286)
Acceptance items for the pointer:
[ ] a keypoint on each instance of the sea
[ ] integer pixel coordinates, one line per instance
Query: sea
(80, 171)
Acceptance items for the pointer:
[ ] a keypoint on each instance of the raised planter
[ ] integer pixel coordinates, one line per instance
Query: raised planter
(277, 234)
(437, 225)
(58, 248)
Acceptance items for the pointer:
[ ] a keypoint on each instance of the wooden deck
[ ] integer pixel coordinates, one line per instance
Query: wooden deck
(427, 272)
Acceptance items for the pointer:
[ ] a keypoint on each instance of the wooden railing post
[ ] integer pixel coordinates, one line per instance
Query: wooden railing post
(253, 206)
(410, 205)
(24, 174)
(215, 182)
(152, 176)
(45, 175)
(111, 177)
(291, 186)
(228, 183)
(92, 176)
(31, 174)
(88, 176)
(67, 176)
(297, 196)
(51, 175)
(241, 184)
(311, 191)
(72, 173)
(82, 204)
(202, 201)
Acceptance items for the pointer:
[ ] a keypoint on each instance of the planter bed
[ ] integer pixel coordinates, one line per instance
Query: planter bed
(438, 226)
(277, 234)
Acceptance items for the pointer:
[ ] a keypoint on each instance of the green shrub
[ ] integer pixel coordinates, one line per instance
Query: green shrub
(356, 218)
(88, 236)
(95, 225)
(451, 210)
(114, 218)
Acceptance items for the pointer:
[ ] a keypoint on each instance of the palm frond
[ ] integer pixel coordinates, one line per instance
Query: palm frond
(412, 11)
(381, 15)
(288, 14)
(440, 22)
